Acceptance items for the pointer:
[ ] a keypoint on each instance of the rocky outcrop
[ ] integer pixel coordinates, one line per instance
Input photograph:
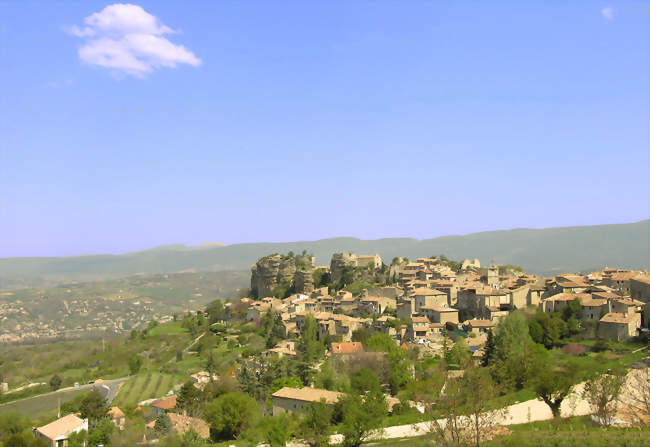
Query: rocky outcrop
(271, 271)
(304, 280)
(339, 262)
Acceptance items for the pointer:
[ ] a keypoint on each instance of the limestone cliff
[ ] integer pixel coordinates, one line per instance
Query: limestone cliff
(339, 262)
(270, 272)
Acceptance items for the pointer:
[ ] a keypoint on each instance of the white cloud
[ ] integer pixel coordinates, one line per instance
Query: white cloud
(608, 13)
(128, 40)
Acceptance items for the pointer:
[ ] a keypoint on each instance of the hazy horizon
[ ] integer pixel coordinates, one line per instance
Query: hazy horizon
(214, 244)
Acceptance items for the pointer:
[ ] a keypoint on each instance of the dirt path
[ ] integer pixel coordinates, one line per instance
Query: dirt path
(188, 347)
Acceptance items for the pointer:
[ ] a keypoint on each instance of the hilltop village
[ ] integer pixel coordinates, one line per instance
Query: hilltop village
(425, 300)
(353, 352)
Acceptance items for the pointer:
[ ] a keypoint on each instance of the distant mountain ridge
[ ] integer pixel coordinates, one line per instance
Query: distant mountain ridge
(541, 251)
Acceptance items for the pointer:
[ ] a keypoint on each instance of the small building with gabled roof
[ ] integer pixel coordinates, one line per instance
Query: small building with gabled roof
(56, 433)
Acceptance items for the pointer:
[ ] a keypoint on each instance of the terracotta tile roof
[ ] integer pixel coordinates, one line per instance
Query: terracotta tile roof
(643, 278)
(308, 394)
(489, 291)
(614, 317)
(61, 427)
(436, 308)
(347, 347)
(572, 284)
(425, 291)
(420, 320)
(606, 295)
(282, 350)
(166, 403)
(624, 276)
(594, 302)
(629, 302)
(480, 323)
(568, 297)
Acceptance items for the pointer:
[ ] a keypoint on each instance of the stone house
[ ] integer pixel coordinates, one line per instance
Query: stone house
(626, 305)
(621, 280)
(619, 327)
(428, 297)
(478, 326)
(419, 328)
(479, 302)
(449, 287)
(594, 308)
(440, 314)
(377, 304)
(640, 288)
(557, 302)
(289, 400)
(405, 308)
(369, 260)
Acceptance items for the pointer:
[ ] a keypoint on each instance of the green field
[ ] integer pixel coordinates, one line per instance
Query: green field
(145, 386)
(41, 407)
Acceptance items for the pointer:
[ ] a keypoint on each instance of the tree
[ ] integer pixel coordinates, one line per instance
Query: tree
(316, 423)
(211, 365)
(281, 382)
(55, 382)
(163, 425)
(93, 405)
(361, 417)
(554, 383)
(365, 380)
(445, 413)
(572, 310)
(513, 350)
(272, 328)
(275, 430)
(400, 369)
(99, 432)
(460, 354)
(189, 399)
(230, 415)
(478, 391)
(488, 350)
(215, 311)
(12, 423)
(135, 363)
(602, 393)
(309, 346)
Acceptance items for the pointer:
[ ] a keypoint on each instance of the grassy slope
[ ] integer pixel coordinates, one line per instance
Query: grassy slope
(81, 361)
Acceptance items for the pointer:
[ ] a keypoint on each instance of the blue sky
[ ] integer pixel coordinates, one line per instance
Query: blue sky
(282, 121)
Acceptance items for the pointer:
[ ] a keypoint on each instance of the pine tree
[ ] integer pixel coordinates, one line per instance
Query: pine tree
(488, 352)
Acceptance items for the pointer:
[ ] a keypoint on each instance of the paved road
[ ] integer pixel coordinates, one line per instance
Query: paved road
(108, 388)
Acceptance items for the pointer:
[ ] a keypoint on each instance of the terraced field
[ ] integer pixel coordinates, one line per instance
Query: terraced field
(145, 386)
